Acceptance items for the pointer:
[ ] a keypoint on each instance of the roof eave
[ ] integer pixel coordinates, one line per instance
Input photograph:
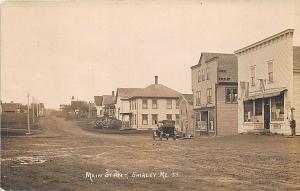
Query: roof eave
(263, 40)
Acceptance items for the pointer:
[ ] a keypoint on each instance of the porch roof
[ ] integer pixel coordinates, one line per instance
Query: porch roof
(267, 93)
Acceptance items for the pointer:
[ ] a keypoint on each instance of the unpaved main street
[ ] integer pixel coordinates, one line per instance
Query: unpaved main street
(62, 156)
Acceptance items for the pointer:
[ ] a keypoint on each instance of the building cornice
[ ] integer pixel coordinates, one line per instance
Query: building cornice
(262, 43)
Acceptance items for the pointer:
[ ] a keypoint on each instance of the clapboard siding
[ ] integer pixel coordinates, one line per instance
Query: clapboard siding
(227, 114)
(297, 100)
(279, 50)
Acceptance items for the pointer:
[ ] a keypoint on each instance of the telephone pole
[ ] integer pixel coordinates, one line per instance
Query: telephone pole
(28, 117)
(33, 119)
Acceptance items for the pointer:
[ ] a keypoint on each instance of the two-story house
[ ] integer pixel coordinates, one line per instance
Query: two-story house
(105, 105)
(143, 108)
(214, 86)
(123, 111)
(186, 121)
(269, 85)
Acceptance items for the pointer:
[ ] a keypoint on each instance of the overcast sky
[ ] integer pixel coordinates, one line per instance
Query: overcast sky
(59, 49)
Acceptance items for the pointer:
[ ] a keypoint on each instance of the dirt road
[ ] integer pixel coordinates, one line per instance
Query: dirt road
(62, 156)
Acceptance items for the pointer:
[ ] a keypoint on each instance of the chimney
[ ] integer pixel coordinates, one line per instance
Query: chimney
(156, 80)
(113, 93)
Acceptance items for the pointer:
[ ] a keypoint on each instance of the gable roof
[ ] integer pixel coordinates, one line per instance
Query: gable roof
(78, 104)
(98, 100)
(108, 100)
(126, 93)
(207, 56)
(189, 98)
(296, 57)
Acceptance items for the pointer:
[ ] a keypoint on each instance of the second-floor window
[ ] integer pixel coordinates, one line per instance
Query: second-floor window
(252, 75)
(203, 75)
(199, 76)
(209, 97)
(177, 103)
(145, 104)
(154, 104)
(270, 71)
(169, 104)
(207, 73)
(198, 98)
(231, 95)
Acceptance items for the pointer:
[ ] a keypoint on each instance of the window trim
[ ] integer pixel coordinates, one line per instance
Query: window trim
(231, 91)
(207, 73)
(146, 120)
(156, 119)
(270, 72)
(203, 75)
(252, 78)
(199, 76)
(177, 103)
(209, 95)
(167, 101)
(143, 106)
(198, 98)
(154, 104)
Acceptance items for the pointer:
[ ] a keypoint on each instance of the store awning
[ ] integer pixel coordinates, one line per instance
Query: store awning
(267, 93)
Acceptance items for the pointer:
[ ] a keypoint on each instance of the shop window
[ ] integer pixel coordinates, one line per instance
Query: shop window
(277, 108)
(258, 107)
(248, 111)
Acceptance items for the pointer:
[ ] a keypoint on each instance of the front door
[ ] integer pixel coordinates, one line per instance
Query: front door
(267, 113)
(204, 118)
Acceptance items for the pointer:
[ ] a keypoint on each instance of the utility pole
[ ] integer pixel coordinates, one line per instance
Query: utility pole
(28, 118)
(37, 110)
(89, 114)
(33, 110)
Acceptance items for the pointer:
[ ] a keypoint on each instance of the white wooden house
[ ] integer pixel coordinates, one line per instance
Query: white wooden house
(269, 85)
(143, 108)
